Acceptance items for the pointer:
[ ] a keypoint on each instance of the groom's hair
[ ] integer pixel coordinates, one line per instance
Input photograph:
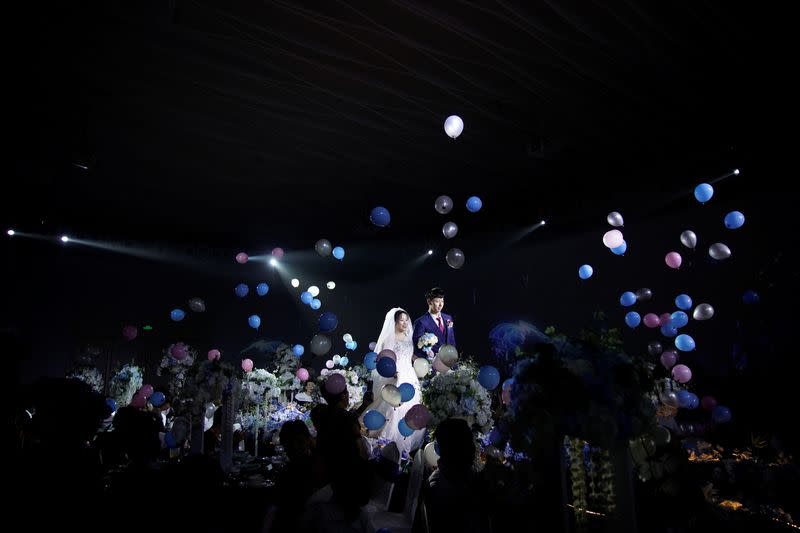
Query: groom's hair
(436, 292)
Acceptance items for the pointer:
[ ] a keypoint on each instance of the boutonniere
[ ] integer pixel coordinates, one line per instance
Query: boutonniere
(449, 323)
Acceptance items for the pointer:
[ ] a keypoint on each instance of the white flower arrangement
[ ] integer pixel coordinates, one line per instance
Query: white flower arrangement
(426, 343)
(89, 375)
(356, 382)
(176, 369)
(457, 394)
(259, 386)
(125, 383)
(287, 364)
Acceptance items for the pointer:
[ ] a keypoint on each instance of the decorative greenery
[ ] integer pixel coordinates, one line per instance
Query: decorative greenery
(176, 369)
(125, 383)
(457, 394)
(89, 375)
(207, 381)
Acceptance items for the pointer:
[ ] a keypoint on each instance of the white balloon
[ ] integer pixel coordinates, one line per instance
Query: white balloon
(431, 457)
(453, 126)
(613, 238)
(331, 285)
(347, 337)
(295, 283)
(391, 395)
(689, 239)
(719, 251)
(422, 367)
(336, 359)
(615, 219)
(314, 290)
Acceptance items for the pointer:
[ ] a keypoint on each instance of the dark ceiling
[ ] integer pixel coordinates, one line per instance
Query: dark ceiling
(221, 122)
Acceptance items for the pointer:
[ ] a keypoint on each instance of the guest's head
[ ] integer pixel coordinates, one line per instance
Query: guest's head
(295, 439)
(456, 444)
(435, 299)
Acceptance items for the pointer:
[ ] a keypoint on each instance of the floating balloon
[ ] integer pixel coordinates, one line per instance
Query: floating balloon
(387, 367)
(298, 350)
(295, 282)
(448, 355)
(315, 304)
(721, 414)
(329, 364)
(679, 319)
(112, 404)
(703, 192)
(177, 315)
(694, 401)
(644, 294)
(681, 373)
(179, 351)
(683, 301)
(157, 399)
(668, 359)
(323, 247)
(314, 290)
(455, 258)
(306, 297)
(665, 318)
(373, 420)
(214, 354)
(684, 343)
(613, 238)
(129, 333)
(254, 321)
(627, 299)
(430, 455)
(241, 290)
(449, 230)
(655, 348)
(734, 220)
(689, 239)
(453, 126)
(418, 416)
(197, 305)
(387, 353)
(344, 360)
(338, 253)
(684, 398)
(320, 344)
(407, 391)
(621, 249)
(632, 319)
(242, 258)
(262, 289)
(439, 366)
(146, 390)
(138, 401)
(370, 361)
(488, 377)
(585, 272)
(421, 367)
(474, 204)
(328, 322)
(750, 297)
(719, 251)
(372, 345)
(709, 403)
(278, 253)
(443, 205)
(669, 398)
(302, 374)
(380, 217)
(335, 384)
(404, 430)
(615, 219)
(668, 330)
(247, 365)
(673, 259)
(651, 320)
(703, 312)
(351, 345)
(331, 285)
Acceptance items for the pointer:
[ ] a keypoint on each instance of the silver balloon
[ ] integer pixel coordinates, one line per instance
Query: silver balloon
(449, 230)
(197, 305)
(615, 219)
(644, 294)
(719, 251)
(703, 312)
(689, 239)
(443, 204)
(670, 398)
(320, 344)
(455, 258)
(323, 247)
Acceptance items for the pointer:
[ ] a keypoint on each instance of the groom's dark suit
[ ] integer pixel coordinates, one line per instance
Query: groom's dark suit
(426, 324)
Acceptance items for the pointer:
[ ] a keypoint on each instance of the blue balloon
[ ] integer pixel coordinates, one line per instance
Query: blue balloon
(344, 360)
(703, 192)
(374, 420)
(488, 377)
(380, 217)
(306, 297)
(406, 391)
(509, 382)
(387, 367)
(627, 299)
(298, 350)
(668, 330)
(632, 319)
(679, 319)
(352, 345)
(112, 404)
(177, 315)
(404, 429)
(750, 297)
(684, 398)
(585, 272)
(684, 343)
(370, 360)
(474, 204)
(694, 401)
(169, 440)
(262, 289)
(620, 250)
(157, 399)
(338, 253)
(315, 304)
(721, 414)
(241, 290)
(734, 220)
(254, 321)
(328, 322)
(495, 436)
(683, 301)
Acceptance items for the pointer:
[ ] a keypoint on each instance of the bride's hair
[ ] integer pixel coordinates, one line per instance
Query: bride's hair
(398, 314)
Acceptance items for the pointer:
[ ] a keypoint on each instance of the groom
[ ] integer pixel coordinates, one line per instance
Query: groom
(434, 321)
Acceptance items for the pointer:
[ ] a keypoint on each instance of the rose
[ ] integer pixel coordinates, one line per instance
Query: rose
(449, 323)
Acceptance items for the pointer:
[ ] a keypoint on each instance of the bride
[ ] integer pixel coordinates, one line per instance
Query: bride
(396, 336)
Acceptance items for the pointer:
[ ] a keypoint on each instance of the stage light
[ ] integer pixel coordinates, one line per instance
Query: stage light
(430, 252)
(11, 232)
(295, 283)
(736, 172)
(542, 222)
(273, 262)
(331, 285)
(64, 238)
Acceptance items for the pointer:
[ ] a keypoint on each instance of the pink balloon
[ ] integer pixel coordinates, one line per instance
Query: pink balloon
(673, 259)
(138, 401)
(214, 355)
(681, 373)
(335, 384)
(242, 258)
(372, 346)
(277, 253)
(329, 364)
(668, 359)
(506, 396)
(302, 374)
(129, 333)
(439, 366)
(651, 320)
(247, 365)
(387, 353)
(613, 238)
(708, 403)
(418, 416)
(665, 318)
(178, 351)
(146, 390)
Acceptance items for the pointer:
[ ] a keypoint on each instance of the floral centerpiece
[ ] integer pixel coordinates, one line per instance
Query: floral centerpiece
(125, 383)
(356, 378)
(176, 369)
(286, 365)
(259, 386)
(457, 394)
(426, 344)
(89, 375)
(207, 381)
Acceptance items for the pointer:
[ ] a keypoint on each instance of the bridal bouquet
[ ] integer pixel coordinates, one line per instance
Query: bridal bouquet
(457, 394)
(176, 369)
(426, 344)
(89, 375)
(125, 383)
